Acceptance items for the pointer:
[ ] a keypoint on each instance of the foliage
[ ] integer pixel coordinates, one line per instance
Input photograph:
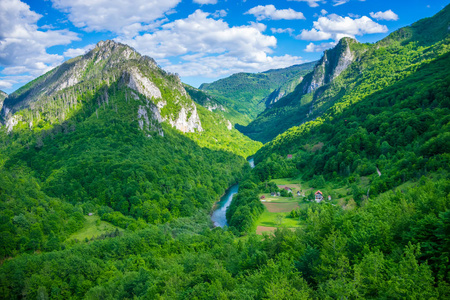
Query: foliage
(251, 93)
(374, 68)
(401, 130)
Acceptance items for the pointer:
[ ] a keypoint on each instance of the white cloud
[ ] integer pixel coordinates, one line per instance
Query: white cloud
(336, 27)
(311, 3)
(8, 82)
(271, 13)
(282, 30)
(202, 2)
(219, 13)
(354, 16)
(199, 33)
(224, 65)
(388, 15)
(210, 47)
(339, 2)
(5, 84)
(72, 52)
(314, 35)
(311, 47)
(114, 15)
(23, 46)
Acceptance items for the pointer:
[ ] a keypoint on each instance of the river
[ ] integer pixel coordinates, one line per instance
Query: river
(219, 217)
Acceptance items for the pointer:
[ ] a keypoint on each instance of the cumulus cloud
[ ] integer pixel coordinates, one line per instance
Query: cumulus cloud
(4, 84)
(115, 15)
(220, 13)
(282, 30)
(224, 65)
(210, 47)
(271, 13)
(72, 52)
(336, 27)
(388, 15)
(311, 47)
(23, 45)
(8, 82)
(202, 2)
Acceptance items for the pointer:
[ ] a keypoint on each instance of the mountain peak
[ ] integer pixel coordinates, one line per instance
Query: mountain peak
(109, 44)
(109, 63)
(333, 62)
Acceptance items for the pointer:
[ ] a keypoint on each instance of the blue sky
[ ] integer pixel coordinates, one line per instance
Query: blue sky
(201, 40)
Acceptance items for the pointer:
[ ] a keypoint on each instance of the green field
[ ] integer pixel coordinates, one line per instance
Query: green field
(93, 228)
(278, 208)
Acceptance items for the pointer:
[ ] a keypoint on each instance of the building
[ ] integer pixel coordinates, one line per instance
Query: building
(319, 196)
(289, 156)
(262, 197)
(288, 189)
(298, 193)
(329, 197)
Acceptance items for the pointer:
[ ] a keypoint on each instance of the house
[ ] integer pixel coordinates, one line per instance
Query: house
(273, 194)
(319, 196)
(288, 189)
(90, 214)
(262, 197)
(278, 194)
(329, 197)
(289, 156)
(298, 193)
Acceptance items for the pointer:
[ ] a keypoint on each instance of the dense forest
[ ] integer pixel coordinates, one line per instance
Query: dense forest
(249, 94)
(106, 187)
(374, 67)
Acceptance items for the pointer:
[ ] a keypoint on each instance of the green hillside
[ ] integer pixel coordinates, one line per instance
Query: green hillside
(110, 169)
(251, 93)
(373, 68)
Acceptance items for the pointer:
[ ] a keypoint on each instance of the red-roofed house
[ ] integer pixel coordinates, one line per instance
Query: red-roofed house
(319, 196)
(289, 156)
(288, 189)
(262, 197)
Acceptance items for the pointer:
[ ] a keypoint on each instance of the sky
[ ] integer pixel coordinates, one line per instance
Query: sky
(201, 40)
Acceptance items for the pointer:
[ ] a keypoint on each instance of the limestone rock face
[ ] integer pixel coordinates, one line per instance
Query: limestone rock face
(143, 85)
(3, 96)
(187, 121)
(162, 94)
(333, 63)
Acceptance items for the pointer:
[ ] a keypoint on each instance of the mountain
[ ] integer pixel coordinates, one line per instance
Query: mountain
(53, 96)
(351, 71)
(251, 93)
(109, 133)
(3, 96)
(158, 96)
(214, 105)
(95, 203)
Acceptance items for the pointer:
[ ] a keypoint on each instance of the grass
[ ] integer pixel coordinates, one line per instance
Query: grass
(93, 227)
(279, 208)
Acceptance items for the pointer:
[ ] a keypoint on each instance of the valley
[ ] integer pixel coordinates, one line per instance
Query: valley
(322, 180)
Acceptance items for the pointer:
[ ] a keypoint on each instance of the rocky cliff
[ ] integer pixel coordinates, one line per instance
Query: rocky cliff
(3, 96)
(333, 62)
(53, 96)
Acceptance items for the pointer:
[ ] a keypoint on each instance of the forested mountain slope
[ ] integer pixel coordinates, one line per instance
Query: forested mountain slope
(99, 152)
(403, 130)
(109, 133)
(351, 71)
(251, 93)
